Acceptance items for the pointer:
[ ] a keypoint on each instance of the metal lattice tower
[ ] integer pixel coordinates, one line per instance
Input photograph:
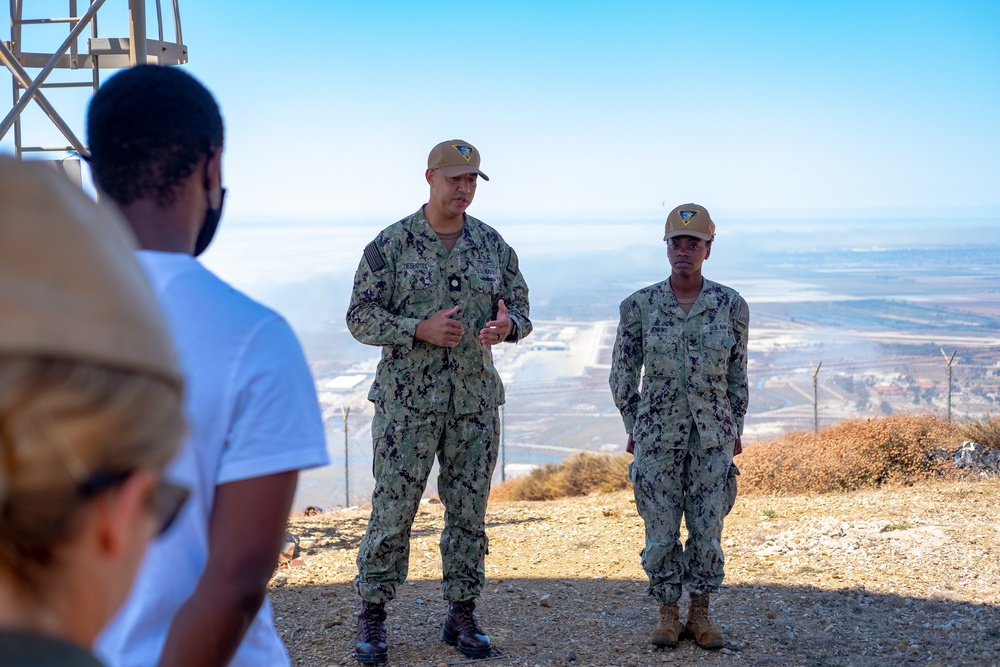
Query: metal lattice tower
(81, 57)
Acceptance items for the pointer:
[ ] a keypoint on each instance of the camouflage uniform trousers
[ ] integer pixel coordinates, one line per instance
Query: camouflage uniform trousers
(406, 442)
(698, 484)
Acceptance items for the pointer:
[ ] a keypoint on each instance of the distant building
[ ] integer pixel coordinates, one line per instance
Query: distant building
(550, 345)
(344, 382)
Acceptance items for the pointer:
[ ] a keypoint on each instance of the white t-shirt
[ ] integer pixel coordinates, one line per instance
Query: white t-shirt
(252, 411)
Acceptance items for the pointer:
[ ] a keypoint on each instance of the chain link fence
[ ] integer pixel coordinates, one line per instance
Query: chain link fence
(956, 385)
(544, 422)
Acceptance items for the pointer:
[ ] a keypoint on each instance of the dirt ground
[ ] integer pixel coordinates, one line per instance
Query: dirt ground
(904, 576)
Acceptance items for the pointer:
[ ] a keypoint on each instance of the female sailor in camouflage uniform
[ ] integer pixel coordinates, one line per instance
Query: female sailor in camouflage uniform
(687, 338)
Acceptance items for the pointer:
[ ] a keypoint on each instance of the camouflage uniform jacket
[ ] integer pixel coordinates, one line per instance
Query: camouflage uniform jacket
(407, 275)
(694, 366)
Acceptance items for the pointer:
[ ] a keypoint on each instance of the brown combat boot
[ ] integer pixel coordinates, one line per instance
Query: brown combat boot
(669, 629)
(700, 626)
(463, 632)
(371, 646)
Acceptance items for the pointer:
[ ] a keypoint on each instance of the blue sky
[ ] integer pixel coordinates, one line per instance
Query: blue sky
(605, 110)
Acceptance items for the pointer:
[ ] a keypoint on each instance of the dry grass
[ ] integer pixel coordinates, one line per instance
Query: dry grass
(986, 432)
(852, 455)
(578, 475)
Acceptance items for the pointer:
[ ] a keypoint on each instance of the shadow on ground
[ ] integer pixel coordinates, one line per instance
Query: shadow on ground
(606, 622)
(346, 533)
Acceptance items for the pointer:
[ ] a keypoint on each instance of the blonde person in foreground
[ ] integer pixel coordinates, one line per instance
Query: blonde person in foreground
(90, 414)
(686, 337)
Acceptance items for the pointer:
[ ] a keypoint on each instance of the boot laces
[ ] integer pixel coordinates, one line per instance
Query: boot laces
(466, 618)
(372, 623)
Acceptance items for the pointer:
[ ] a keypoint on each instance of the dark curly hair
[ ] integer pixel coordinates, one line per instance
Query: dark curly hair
(148, 127)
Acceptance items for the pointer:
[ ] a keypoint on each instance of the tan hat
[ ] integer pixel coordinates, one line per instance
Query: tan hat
(689, 220)
(70, 285)
(454, 158)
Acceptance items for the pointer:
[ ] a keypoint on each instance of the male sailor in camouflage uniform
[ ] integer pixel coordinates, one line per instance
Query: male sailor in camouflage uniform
(688, 337)
(436, 290)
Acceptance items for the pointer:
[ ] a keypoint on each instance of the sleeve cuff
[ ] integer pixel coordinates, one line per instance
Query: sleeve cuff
(515, 331)
(629, 421)
(407, 332)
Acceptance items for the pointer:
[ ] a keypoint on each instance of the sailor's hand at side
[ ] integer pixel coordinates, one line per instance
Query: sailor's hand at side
(630, 445)
(439, 329)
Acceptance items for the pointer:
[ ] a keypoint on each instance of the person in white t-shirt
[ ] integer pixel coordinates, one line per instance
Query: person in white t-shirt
(155, 136)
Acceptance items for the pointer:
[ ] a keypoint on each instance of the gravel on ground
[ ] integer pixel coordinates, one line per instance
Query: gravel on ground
(895, 576)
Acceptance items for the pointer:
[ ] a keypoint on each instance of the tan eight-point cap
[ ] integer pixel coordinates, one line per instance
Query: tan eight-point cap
(454, 158)
(689, 220)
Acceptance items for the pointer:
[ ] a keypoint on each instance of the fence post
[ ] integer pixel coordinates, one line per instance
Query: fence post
(346, 410)
(815, 397)
(948, 361)
(503, 450)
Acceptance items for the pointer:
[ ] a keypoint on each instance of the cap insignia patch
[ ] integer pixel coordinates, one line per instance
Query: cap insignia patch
(466, 151)
(687, 216)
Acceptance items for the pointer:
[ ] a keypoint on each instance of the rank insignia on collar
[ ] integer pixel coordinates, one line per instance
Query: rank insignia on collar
(687, 216)
(454, 284)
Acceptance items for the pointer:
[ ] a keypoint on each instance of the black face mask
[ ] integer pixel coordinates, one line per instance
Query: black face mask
(209, 227)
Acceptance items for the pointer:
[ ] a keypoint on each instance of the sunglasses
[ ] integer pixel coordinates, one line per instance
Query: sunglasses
(168, 498)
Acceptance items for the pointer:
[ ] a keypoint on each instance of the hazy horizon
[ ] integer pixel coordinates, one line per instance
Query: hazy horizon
(304, 270)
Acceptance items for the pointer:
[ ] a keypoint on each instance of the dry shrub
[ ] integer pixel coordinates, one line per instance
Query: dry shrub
(578, 475)
(986, 432)
(851, 455)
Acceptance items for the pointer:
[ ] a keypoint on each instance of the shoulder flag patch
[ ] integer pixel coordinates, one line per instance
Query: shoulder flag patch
(374, 256)
(629, 313)
(512, 263)
(742, 312)
(687, 216)
(466, 151)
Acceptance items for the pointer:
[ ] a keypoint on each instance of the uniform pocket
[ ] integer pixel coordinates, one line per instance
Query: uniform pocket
(729, 499)
(660, 354)
(716, 349)
(416, 281)
(657, 480)
(485, 283)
